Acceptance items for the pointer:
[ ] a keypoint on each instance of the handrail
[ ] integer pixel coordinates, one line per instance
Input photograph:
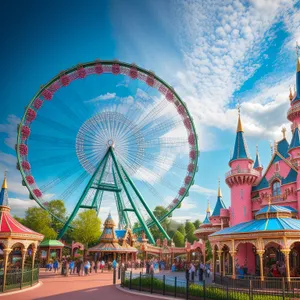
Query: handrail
(241, 171)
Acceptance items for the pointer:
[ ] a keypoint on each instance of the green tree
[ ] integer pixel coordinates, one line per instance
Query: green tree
(86, 227)
(181, 229)
(39, 220)
(197, 224)
(160, 211)
(189, 229)
(178, 239)
(20, 220)
(57, 207)
(208, 250)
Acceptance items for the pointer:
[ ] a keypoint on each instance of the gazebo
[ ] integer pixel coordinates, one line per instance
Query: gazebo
(273, 237)
(18, 246)
(50, 249)
(109, 247)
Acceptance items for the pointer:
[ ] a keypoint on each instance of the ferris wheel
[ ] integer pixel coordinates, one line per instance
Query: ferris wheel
(108, 134)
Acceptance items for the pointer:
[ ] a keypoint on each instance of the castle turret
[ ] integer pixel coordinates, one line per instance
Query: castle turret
(257, 164)
(294, 116)
(240, 179)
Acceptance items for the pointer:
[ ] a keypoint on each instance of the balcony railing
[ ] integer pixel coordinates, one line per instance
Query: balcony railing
(294, 108)
(242, 171)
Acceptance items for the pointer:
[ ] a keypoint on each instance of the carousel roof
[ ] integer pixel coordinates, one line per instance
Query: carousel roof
(109, 239)
(271, 224)
(51, 243)
(7, 223)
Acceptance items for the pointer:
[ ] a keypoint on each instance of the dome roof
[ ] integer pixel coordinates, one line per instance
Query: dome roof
(273, 209)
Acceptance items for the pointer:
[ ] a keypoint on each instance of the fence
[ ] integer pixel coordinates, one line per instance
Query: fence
(15, 280)
(228, 290)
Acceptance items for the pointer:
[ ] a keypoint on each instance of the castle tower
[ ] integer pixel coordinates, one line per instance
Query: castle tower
(294, 116)
(240, 179)
(257, 164)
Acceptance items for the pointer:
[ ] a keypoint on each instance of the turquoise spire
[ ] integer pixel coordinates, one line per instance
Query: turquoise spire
(206, 220)
(257, 163)
(3, 193)
(220, 204)
(295, 143)
(240, 146)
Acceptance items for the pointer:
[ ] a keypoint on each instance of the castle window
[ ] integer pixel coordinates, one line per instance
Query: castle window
(277, 167)
(245, 211)
(242, 194)
(276, 188)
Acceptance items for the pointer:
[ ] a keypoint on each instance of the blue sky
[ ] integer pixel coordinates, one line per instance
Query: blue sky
(213, 53)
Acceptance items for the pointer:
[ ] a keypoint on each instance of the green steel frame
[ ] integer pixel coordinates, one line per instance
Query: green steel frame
(114, 188)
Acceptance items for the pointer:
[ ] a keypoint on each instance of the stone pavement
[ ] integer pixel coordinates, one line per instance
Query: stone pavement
(95, 286)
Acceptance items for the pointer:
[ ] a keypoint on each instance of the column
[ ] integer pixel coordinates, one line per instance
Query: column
(219, 252)
(232, 253)
(48, 255)
(32, 264)
(286, 253)
(204, 256)
(23, 263)
(126, 257)
(214, 263)
(6, 253)
(261, 263)
(223, 263)
(114, 255)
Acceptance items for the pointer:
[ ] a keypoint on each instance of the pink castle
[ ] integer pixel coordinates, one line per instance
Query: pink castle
(259, 234)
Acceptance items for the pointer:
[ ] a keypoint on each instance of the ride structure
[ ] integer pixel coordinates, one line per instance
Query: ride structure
(111, 147)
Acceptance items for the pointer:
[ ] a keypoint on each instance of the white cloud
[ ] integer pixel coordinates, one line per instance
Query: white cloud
(10, 129)
(107, 96)
(223, 45)
(19, 206)
(202, 190)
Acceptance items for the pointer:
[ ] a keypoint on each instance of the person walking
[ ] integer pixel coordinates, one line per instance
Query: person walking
(78, 266)
(87, 266)
(97, 266)
(201, 271)
(71, 267)
(55, 266)
(192, 272)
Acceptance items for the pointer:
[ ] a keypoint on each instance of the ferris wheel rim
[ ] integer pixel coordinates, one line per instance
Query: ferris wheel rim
(191, 173)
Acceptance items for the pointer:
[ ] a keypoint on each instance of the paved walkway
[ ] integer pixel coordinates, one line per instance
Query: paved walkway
(95, 286)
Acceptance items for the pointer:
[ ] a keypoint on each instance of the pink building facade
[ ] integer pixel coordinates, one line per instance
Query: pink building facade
(259, 234)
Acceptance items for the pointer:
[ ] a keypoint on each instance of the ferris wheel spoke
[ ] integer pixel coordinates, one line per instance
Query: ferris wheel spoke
(63, 142)
(60, 178)
(164, 127)
(74, 186)
(155, 110)
(171, 142)
(68, 111)
(55, 125)
(49, 161)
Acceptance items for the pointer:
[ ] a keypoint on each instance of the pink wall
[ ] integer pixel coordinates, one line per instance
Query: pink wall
(246, 257)
(241, 206)
(242, 163)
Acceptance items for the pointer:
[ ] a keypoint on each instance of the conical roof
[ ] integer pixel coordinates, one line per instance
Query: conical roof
(240, 146)
(109, 241)
(219, 205)
(295, 143)
(9, 227)
(257, 163)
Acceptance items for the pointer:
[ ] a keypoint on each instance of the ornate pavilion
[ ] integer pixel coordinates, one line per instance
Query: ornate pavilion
(18, 246)
(114, 244)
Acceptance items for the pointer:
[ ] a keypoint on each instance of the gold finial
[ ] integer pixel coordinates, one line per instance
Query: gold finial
(271, 146)
(269, 199)
(219, 189)
(208, 207)
(291, 96)
(275, 146)
(239, 126)
(4, 185)
(283, 130)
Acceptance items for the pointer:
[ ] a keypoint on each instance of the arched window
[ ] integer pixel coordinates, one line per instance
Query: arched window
(276, 188)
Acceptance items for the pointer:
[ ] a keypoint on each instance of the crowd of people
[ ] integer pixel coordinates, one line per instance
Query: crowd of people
(80, 267)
